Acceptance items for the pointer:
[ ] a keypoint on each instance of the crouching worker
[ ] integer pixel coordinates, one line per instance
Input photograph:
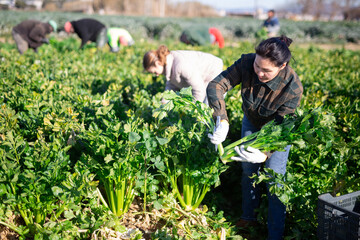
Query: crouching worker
(199, 35)
(118, 37)
(32, 34)
(87, 30)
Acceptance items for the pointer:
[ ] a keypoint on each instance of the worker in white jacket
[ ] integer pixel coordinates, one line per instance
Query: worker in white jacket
(184, 68)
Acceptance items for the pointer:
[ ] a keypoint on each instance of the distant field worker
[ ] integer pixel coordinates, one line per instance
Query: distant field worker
(216, 37)
(184, 68)
(272, 24)
(202, 35)
(118, 37)
(88, 30)
(32, 34)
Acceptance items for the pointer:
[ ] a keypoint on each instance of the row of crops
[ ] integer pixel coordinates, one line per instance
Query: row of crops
(164, 28)
(85, 154)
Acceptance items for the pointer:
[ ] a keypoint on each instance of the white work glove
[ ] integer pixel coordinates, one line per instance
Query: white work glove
(115, 49)
(220, 132)
(251, 155)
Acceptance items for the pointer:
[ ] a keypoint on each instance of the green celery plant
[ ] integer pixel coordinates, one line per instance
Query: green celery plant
(111, 154)
(303, 128)
(29, 174)
(191, 164)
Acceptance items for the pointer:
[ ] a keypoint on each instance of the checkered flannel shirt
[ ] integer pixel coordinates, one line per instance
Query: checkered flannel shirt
(262, 102)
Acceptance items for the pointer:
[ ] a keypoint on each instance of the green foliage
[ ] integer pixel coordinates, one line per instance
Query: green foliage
(170, 28)
(111, 154)
(262, 34)
(305, 128)
(191, 165)
(36, 183)
(64, 111)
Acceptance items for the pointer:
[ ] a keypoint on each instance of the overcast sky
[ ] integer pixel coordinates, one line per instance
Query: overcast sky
(233, 4)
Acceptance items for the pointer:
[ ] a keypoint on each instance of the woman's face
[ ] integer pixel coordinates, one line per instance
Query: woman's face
(156, 69)
(265, 69)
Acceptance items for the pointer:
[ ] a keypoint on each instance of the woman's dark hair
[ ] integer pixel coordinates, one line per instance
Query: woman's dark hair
(276, 49)
(152, 56)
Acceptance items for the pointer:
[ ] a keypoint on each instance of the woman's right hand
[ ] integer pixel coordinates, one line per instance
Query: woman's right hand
(220, 132)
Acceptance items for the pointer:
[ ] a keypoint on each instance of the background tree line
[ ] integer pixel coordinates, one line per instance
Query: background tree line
(349, 9)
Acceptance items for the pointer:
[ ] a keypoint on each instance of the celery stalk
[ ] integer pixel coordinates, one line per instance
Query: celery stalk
(220, 149)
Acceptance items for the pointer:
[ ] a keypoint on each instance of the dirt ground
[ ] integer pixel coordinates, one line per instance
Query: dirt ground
(7, 234)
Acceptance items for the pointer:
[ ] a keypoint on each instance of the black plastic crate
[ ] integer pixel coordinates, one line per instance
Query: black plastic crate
(339, 217)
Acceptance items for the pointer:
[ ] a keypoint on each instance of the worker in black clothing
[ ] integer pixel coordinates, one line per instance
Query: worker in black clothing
(88, 30)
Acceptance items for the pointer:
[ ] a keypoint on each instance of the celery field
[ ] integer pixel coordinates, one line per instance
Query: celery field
(87, 151)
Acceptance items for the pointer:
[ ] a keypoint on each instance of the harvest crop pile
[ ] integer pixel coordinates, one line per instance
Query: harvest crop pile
(87, 152)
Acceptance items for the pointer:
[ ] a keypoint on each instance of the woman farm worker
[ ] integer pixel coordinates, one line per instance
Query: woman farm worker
(118, 37)
(184, 68)
(270, 90)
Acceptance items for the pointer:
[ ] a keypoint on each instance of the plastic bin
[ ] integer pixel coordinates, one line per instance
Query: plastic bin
(339, 217)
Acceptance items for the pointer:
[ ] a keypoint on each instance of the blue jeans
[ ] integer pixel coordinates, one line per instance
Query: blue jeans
(251, 195)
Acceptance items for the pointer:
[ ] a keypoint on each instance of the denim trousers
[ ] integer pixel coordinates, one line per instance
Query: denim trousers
(251, 194)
